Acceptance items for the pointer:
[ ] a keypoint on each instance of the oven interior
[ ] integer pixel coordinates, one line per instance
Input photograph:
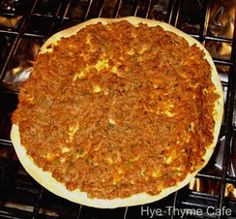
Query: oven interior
(25, 25)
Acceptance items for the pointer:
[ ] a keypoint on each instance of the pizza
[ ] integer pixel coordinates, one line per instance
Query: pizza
(118, 112)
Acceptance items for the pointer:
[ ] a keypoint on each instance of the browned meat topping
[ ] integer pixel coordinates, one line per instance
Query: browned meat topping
(117, 110)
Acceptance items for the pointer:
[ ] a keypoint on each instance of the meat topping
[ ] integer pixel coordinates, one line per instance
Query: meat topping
(117, 110)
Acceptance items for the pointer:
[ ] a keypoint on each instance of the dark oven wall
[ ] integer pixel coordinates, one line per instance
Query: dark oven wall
(26, 24)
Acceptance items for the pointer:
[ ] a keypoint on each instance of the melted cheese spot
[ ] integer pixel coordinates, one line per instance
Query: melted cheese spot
(143, 49)
(88, 39)
(102, 64)
(117, 178)
(62, 160)
(169, 114)
(134, 159)
(114, 69)
(110, 160)
(49, 156)
(155, 174)
(96, 89)
(169, 160)
(65, 149)
(120, 171)
(130, 52)
(111, 121)
(156, 85)
(71, 132)
(79, 75)
(187, 138)
(178, 168)
(30, 99)
(168, 111)
(142, 172)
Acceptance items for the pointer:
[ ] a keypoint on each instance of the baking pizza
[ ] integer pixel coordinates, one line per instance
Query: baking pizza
(118, 112)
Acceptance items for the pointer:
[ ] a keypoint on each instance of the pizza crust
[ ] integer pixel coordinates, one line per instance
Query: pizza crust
(45, 178)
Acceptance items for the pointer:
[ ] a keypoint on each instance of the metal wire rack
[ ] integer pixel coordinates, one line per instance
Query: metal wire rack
(31, 23)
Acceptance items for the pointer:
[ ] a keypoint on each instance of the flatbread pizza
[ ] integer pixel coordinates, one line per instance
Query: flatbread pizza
(118, 112)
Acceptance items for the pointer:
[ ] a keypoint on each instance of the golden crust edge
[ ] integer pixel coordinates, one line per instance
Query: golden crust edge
(46, 179)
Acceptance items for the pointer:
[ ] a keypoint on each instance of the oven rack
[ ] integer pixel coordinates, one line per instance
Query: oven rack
(20, 195)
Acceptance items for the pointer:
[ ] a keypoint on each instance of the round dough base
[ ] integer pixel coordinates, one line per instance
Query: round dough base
(45, 178)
